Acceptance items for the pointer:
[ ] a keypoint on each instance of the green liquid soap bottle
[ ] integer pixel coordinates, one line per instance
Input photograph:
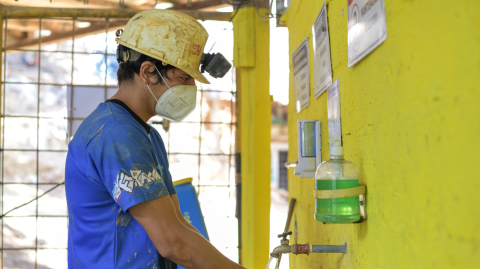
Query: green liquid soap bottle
(335, 174)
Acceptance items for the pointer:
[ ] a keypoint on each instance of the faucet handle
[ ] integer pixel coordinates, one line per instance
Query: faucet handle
(284, 235)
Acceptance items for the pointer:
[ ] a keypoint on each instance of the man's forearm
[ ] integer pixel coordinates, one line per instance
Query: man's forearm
(190, 226)
(196, 252)
(174, 240)
(180, 215)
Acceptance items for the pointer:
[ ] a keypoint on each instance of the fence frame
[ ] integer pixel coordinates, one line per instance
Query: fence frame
(22, 12)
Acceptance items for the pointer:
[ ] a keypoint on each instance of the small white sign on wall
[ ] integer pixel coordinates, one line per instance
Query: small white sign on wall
(301, 76)
(367, 28)
(322, 64)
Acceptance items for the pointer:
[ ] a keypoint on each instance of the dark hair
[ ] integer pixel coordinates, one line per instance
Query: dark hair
(127, 70)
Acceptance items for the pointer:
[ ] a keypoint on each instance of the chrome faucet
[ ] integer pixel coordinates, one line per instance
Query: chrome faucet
(286, 248)
(299, 248)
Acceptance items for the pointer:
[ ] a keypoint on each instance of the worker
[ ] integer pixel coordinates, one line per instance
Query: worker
(122, 205)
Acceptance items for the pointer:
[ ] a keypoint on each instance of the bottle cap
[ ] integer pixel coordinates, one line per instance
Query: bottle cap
(336, 151)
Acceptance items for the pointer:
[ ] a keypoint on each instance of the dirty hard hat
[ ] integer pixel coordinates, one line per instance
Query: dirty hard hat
(169, 36)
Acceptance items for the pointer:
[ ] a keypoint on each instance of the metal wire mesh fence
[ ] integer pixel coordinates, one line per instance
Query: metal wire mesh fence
(50, 84)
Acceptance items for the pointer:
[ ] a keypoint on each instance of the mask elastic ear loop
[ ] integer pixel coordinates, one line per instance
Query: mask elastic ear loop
(151, 92)
(161, 76)
(163, 81)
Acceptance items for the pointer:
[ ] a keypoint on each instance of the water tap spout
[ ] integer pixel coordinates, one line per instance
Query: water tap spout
(278, 251)
(286, 248)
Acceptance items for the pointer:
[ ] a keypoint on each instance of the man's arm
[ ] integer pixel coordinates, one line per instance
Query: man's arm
(174, 240)
(180, 215)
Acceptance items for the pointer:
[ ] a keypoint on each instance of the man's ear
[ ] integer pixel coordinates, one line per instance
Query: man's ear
(146, 70)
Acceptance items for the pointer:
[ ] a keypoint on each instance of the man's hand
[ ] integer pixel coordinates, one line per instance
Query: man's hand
(174, 240)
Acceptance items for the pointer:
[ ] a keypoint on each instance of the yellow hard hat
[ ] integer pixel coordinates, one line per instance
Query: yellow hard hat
(169, 36)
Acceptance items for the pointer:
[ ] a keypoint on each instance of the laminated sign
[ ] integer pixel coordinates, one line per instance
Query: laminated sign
(333, 108)
(301, 76)
(367, 28)
(322, 64)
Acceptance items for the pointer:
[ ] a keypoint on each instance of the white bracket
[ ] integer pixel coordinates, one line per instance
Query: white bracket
(309, 148)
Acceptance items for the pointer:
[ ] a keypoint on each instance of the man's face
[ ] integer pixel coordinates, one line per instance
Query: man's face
(176, 77)
(173, 77)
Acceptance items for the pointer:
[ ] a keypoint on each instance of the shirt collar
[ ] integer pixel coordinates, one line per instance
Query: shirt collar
(135, 116)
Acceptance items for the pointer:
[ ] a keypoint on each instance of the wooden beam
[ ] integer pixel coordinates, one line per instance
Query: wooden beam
(62, 3)
(18, 12)
(32, 43)
(151, 4)
(32, 25)
(198, 5)
(129, 4)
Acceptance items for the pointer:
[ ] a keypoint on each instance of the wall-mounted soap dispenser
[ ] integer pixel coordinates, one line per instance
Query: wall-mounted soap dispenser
(337, 190)
(339, 197)
(309, 148)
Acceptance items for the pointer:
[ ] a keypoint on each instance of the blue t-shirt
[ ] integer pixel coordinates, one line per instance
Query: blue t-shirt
(114, 161)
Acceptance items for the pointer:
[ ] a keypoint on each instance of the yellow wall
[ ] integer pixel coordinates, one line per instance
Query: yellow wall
(411, 125)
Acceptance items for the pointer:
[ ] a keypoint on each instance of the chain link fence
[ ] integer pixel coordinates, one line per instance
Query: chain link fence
(52, 80)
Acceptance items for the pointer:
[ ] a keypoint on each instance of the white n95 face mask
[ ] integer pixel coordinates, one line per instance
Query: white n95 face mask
(177, 102)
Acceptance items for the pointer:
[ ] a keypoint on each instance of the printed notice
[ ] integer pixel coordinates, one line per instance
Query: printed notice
(322, 65)
(367, 28)
(333, 107)
(301, 76)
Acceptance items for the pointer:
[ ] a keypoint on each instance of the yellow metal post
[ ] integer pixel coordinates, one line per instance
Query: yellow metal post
(251, 57)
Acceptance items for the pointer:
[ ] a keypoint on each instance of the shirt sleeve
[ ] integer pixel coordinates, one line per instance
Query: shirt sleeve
(163, 159)
(169, 183)
(125, 164)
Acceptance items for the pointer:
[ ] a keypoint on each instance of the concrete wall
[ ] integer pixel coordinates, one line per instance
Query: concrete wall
(411, 125)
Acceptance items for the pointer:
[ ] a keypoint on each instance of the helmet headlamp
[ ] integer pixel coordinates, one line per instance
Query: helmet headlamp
(215, 64)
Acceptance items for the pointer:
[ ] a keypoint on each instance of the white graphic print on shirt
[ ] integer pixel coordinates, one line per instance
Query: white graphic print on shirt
(136, 178)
